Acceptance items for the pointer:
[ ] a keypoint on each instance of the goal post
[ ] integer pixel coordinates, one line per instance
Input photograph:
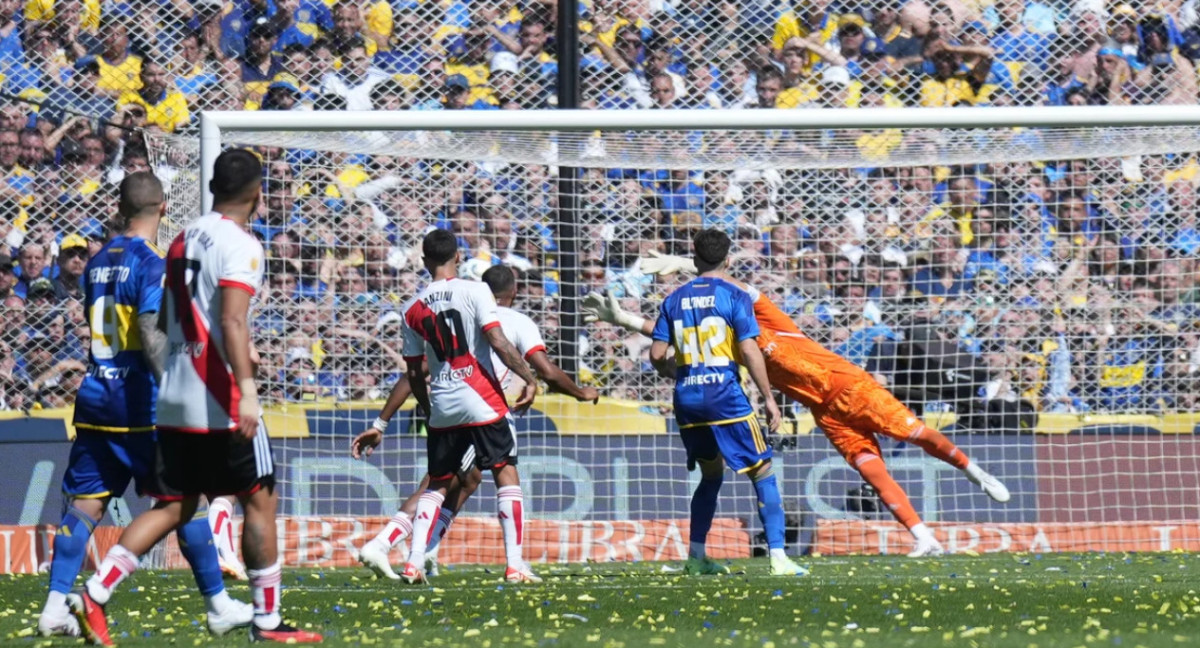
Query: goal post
(1023, 278)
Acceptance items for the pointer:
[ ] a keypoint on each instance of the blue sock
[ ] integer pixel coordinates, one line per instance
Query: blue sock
(70, 548)
(770, 509)
(196, 544)
(704, 507)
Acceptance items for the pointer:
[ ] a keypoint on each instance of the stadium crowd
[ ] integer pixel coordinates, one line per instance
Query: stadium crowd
(1071, 282)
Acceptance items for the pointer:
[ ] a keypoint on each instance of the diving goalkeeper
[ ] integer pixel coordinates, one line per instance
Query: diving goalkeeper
(845, 401)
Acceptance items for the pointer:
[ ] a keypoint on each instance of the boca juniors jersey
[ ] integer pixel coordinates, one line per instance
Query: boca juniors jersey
(705, 320)
(122, 282)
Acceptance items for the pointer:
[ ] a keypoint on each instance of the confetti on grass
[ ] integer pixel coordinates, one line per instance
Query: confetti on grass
(992, 601)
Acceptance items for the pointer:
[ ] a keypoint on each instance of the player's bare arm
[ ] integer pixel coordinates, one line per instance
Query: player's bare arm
(417, 374)
(752, 359)
(559, 381)
(154, 343)
(661, 359)
(366, 442)
(512, 359)
(235, 306)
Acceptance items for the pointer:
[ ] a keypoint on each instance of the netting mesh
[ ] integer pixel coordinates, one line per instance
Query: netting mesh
(1042, 312)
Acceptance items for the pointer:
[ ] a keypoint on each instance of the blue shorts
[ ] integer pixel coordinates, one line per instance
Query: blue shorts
(103, 463)
(742, 444)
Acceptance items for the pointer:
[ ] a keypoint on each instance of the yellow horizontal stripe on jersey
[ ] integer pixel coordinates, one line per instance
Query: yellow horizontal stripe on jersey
(724, 422)
(117, 430)
(89, 496)
(754, 467)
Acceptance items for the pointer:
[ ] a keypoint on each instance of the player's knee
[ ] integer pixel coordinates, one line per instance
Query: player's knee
(860, 459)
(93, 508)
(506, 475)
(760, 471)
(470, 480)
(711, 469)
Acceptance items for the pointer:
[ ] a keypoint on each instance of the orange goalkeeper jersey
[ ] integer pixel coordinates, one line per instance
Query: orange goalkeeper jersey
(796, 365)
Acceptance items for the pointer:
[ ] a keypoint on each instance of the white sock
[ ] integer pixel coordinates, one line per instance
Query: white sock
(778, 553)
(975, 471)
(218, 602)
(696, 550)
(512, 522)
(220, 520)
(266, 585)
(56, 605)
(116, 566)
(445, 519)
(922, 532)
(398, 528)
(423, 523)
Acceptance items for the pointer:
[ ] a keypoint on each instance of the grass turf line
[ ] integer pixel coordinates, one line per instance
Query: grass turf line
(999, 601)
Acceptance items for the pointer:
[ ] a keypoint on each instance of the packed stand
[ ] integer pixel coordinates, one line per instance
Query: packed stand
(1069, 285)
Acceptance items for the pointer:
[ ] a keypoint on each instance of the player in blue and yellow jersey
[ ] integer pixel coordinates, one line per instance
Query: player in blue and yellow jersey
(710, 324)
(114, 410)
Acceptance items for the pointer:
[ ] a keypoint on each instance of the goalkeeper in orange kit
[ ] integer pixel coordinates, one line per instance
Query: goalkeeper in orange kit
(845, 401)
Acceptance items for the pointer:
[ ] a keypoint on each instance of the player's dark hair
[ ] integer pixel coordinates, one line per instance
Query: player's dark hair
(501, 279)
(711, 246)
(235, 173)
(439, 247)
(139, 193)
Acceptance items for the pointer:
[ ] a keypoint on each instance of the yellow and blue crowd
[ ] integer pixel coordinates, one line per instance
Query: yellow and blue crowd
(1071, 282)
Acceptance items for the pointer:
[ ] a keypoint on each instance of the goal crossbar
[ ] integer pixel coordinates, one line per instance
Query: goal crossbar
(214, 123)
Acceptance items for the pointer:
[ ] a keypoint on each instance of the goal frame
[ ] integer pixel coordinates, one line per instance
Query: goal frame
(214, 123)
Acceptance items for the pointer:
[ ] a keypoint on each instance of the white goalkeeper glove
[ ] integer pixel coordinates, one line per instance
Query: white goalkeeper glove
(601, 308)
(665, 264)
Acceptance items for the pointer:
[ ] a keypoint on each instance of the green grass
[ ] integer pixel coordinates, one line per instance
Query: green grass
(988, 601)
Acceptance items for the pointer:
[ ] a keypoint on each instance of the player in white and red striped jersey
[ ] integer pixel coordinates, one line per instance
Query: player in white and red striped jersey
(453, 325)
(524, 334)
(209, 430)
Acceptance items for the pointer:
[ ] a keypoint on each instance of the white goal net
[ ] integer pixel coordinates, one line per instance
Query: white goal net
(1031, 292)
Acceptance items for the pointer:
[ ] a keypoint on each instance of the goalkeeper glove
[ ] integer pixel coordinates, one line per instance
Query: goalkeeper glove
(665, 264)
(601, 308)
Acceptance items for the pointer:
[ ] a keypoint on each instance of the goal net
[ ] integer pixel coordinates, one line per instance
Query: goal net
(1029, 291)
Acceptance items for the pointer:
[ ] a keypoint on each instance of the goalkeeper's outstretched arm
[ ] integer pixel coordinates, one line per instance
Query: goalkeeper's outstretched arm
(606, 308)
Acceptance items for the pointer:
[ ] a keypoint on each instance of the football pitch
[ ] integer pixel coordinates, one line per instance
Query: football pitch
(996, 600)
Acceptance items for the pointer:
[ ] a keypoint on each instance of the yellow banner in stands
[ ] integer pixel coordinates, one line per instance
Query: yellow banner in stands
(555, 414)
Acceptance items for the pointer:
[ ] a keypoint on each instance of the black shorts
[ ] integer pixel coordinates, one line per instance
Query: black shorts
(212, 464)
(494, 446)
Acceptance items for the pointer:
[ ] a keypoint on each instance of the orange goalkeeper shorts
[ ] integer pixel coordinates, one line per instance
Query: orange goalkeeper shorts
(859, 412)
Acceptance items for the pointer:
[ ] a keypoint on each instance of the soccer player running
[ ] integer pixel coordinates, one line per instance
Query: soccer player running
(847, 404)
(710, 323)
(453, 325)
(210, 440)
(524, 335)
(114, 411)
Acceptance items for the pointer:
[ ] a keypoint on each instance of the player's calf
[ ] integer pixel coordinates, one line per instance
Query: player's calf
(703, 509)
(70, 549)
(510, 510)
(770, 512)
